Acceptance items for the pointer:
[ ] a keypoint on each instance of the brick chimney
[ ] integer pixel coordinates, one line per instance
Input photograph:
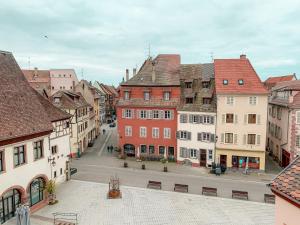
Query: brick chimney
(35, 73)
(134, 72)
(153, 72)
(127, 75)
(243, 56)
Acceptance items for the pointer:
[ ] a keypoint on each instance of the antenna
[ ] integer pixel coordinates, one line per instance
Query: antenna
(29, 62)
(212, 56)
(149, 50)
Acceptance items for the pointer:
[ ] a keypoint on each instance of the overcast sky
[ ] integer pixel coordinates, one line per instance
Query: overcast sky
(100, 39)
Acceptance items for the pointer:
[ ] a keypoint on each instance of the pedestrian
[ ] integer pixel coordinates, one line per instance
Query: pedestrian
(111, 148)
(103, 131)
(108, 148)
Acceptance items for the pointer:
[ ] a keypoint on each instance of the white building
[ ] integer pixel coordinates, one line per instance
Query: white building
(196, 115)
(26, 137)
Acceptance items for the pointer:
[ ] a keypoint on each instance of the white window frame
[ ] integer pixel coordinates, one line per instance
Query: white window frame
(206, 119)
(253, 100)
(167, 133)
(225, 138)
(143, 114)
(167, 96)
(210, 154)
(126, 95)
(143, 132)
(183, 135)
(255, 139)
(155, 132)
(206, 137)
(230, 100)
(193, 153)
(167, 114)
(128, 113)
(128, 131)
(146, 95)
(154, 113)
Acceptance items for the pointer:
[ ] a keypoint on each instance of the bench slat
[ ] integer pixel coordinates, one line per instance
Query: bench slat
(209, 191)
(239, 194)
(181, 188)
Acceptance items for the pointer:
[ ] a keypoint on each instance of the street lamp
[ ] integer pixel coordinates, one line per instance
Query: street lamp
(216, 140)
(52, 163)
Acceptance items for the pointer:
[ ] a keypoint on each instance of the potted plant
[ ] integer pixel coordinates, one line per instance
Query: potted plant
(164, 161)
(51, 189)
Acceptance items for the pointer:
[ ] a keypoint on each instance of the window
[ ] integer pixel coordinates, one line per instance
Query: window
(155, 114)
(167, 114)
(143, 148)
(56, 100)
(251, 118)
(161, 150)
(183, 118)
(206, 101)
(208, 119)
(225, 82)
(205, 136)
(241, 82)
(38, 150)
(54, 174)
(86, 124)
(298, 141)
(252, 100)
(19, 155)
(188, 84)
(143, 132)
(279, 112)
(146, 96)
(126, 95)
(61, 171)
(298, 118)
(205, 84)
(166, 95)
(143, 114)
(184, 135)
(151, 149)
(230, 100)
(251, 139)
(1, 161)
(210, 154)
(167, 133)
(155, 132)
(188, 100)
(128, 131)
(128, 113)
(171, 151)
(37, 190)
(229, 138)
(229, 118)
(193, 153)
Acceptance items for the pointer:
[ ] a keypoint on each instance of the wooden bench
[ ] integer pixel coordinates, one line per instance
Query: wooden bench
(209, 191)
(240, 194)
(269, 198)
(154, 184)
(181, 188)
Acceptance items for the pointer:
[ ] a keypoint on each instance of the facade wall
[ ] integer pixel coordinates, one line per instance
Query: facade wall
(62, 79)
(194, 143)
(285, 212)
(240, 128)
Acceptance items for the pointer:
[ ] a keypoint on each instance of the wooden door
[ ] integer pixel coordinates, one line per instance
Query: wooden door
(223, 160)
(203, 157)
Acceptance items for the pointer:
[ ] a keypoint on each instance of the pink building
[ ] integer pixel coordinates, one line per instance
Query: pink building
(286, 187)
(62, 79)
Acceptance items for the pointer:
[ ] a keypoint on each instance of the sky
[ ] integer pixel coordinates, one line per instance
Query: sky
(100, 39)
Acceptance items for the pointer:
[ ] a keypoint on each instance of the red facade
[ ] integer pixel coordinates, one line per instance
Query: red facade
(155, 113)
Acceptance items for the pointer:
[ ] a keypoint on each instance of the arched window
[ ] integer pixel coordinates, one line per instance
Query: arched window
(37, 187)
(8, 204)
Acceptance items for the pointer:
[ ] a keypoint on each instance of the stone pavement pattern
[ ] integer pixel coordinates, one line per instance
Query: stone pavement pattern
(151, 207)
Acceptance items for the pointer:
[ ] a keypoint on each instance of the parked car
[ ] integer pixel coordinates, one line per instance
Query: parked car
(112, 125)
(73, 170)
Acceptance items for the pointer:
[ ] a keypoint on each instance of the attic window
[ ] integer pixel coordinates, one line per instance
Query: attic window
(225, 82)
(56, 100)
(241, 82)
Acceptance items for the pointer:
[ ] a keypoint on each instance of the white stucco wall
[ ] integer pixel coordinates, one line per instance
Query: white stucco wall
(286, 213)
(195, 129)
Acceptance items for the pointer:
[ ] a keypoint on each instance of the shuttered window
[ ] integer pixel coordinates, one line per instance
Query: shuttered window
(183, 118)
(298, 141)
(229, 138)
(193, 153)
(251, 139)
(183, 135)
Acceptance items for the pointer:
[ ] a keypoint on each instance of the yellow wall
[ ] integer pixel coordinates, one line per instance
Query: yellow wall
(231, 152)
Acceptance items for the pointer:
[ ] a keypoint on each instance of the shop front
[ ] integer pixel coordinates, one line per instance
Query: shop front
(9, 201)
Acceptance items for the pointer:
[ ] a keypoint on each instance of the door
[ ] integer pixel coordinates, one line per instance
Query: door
(223, 160)
(285, 158)
(9, 203)
(203, 157)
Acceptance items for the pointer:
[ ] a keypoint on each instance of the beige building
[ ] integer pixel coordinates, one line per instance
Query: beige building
(82, 121)
(62, 79)
(242, 104)
(92, 97)
(283, 142)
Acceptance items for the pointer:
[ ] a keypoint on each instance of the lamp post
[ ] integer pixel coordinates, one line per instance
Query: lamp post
(216, 140)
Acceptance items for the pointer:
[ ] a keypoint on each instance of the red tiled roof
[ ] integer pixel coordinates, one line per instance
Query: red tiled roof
(233, 70)
(287, 183)
(21, 112)
(275, 80)
(68, 100)
(42, 76)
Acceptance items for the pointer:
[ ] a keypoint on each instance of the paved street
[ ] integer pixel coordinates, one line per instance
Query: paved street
(139, 206)
(98, 165)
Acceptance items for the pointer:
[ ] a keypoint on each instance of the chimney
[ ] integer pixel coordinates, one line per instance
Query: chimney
(127, 74)
(73, 85)
(35, 73)
(134, 72)
(243, 56)
(153, 71)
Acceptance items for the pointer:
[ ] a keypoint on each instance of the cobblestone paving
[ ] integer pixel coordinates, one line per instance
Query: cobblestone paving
(151, 207)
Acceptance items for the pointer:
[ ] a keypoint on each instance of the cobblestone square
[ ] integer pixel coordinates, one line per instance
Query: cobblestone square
(151, 207)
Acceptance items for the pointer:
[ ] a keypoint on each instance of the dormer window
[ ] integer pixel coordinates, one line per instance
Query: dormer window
(189, 100)
(56, 100)
(241, 82)
(206, 101)
(188, 84)
(126, 95)
(167, 96)
(146, 96)
(205, 84)
(225, 82)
